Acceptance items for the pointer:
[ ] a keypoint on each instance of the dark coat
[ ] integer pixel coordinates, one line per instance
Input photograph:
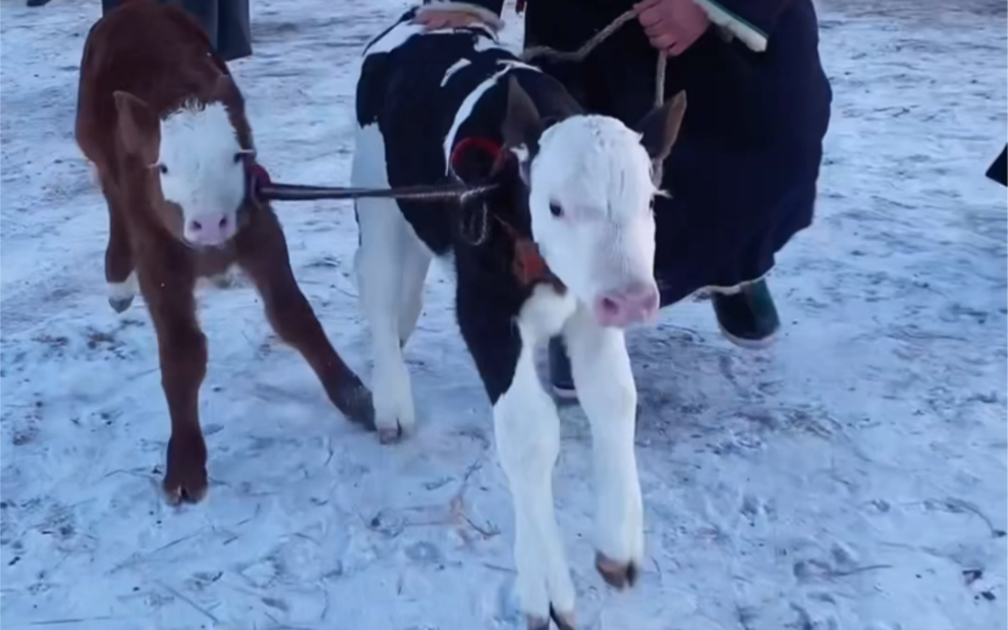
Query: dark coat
(743, 173)
(225, 21)
(998, 170)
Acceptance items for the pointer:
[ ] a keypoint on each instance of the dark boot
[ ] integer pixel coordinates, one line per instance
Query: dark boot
(37, 3)
(560, 371)
(747, 318)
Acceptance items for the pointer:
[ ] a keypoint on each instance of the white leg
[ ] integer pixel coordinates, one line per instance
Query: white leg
(379, 263)
(93, 174)
(605, 385)
(379, 267)
(417, 262)
(527, 431)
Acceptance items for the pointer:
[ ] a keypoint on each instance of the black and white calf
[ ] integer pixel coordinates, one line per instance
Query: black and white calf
(454, 103)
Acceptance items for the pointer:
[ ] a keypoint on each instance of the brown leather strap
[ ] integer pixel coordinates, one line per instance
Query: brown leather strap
(528, 265)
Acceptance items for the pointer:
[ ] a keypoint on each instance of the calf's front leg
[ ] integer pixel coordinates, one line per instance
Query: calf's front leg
(605, 385)
(380, 267)
(262, 254)
(119, 270)
(183, 353)
(527, 431)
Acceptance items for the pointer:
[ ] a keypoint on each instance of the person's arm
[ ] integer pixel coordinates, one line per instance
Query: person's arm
(751, 21)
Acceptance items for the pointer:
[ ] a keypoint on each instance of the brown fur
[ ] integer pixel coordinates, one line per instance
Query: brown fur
(140, 63)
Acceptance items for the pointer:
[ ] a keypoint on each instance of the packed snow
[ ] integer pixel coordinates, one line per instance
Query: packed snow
(853, 477)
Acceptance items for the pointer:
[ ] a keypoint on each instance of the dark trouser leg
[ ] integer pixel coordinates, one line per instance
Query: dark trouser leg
(226, 23)
(617, 79)
(204, 11)
(234, 30)
(732, 254)
(745, 313)
(560, 374)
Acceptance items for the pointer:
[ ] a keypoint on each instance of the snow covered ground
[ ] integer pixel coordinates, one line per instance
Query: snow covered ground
(851, 478)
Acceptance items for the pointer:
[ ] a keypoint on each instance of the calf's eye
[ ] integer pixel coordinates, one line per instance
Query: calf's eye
(556, 210)
(238, 157)
(163, 169)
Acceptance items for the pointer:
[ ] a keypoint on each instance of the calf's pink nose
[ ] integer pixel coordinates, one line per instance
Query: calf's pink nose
(210, 229)
(628, 305)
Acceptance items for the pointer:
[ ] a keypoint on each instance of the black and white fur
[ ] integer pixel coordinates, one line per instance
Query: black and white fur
(581, 186)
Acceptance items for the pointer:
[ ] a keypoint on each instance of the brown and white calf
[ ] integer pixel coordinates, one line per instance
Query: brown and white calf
(455, 103)
(164, 125)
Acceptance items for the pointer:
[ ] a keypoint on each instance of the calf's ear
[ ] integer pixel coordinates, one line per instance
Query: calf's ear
(522, 124)
(138, 126)
(660, 127)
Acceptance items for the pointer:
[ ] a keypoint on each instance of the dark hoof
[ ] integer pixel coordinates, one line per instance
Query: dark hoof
(223, 281)
(186, 478)
(618, 575)
(564, 397)
(563, 622)
(120, 304)
(536, 623)
(189, 486)
(354, 401)
(390, 435)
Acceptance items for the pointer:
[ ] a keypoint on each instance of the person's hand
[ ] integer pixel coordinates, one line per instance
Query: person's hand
(672, 25)
(435, 20)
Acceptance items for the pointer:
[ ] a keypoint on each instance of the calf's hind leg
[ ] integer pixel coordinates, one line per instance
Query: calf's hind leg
(262, 254)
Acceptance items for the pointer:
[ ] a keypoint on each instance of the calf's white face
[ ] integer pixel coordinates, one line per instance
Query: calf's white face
(590, 199)
(202, 171)
(195, 156)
